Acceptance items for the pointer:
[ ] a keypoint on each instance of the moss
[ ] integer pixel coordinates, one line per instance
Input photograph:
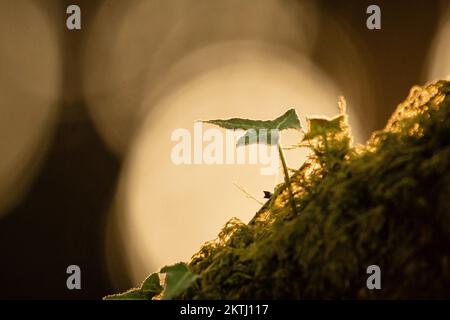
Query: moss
(384, 203)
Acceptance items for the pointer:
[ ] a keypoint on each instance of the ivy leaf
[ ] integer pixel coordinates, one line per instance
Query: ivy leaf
(288, 120)
(150, 288)
(178, 279)
(259, 136)
(133, 294)
(321, 126)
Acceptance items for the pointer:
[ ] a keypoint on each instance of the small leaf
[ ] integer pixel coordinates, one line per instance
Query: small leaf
(178, 279)
(288, 120)
(320, 126)
(151, 286)
(259, 136)
(133, 294)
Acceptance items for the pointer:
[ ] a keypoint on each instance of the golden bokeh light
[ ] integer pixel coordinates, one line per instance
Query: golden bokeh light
(133, 44)
(439, 57)
(30, 77)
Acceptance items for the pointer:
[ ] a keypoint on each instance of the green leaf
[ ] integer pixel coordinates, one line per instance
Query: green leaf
(178, 279)
(151, 286)
(321, 126)
(133, 294)
(288, 120)
(259, 136)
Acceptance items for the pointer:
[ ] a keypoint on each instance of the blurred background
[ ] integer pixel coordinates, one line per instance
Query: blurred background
(86, 118)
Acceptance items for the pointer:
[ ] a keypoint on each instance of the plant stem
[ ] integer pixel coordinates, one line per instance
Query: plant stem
(287, 180)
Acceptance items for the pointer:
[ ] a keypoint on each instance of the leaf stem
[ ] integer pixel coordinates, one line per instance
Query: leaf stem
(287, 180)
